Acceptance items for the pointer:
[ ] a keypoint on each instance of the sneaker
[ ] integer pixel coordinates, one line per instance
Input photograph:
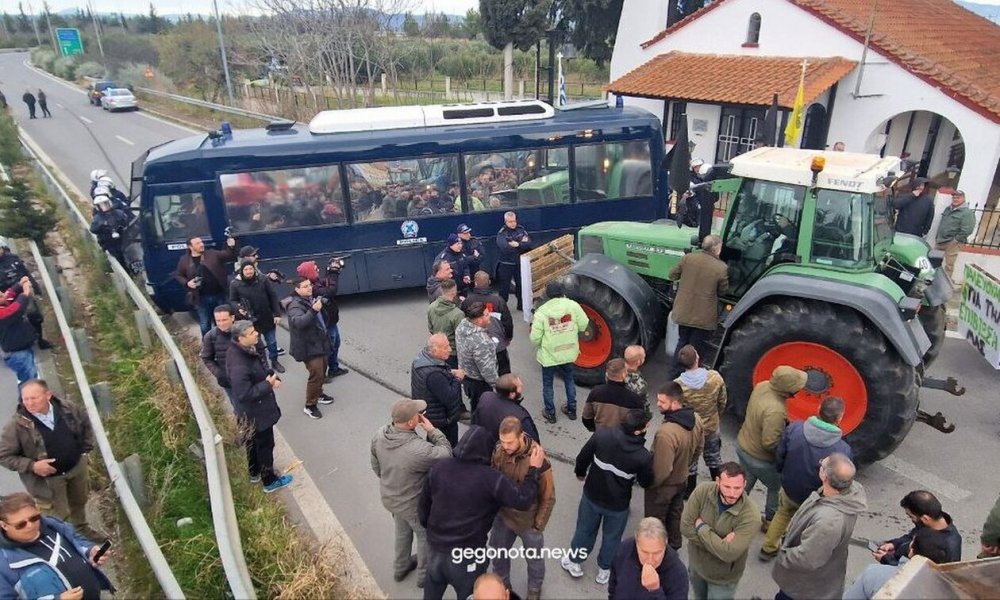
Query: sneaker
(281, 351)
(277, 366)
(410, 566)
(603, 575)
(571, 567)
(569, 413)
(324, 399)
(313, 412)
(766, 556)
(337, 372)
(255, 478)
(44, 344)
(277, 484)
(549, 416)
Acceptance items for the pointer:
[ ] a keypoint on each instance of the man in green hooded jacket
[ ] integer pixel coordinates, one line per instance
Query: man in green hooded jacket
(555, 331)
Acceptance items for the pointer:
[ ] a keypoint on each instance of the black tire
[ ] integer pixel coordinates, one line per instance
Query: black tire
(622, 325)
(891, 383)
(933, 321)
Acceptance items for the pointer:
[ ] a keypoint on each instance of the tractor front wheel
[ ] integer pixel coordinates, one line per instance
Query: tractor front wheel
(613, 326)
(844, 356)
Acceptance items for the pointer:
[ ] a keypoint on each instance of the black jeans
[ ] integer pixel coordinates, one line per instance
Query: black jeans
(503, 362)
(450, 432)
(474, 388)
(442, 571)
(696, 337)
(260, 454)
(505, 274)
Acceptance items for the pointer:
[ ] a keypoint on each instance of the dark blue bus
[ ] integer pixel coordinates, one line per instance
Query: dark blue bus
(387, 185)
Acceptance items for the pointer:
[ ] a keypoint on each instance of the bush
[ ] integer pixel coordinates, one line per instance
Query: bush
(65, 67)
(43, 59)
(89, 69)
(134, 75)
(10, 154)
(24, 216)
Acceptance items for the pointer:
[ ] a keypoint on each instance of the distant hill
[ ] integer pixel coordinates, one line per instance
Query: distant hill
(990, 11)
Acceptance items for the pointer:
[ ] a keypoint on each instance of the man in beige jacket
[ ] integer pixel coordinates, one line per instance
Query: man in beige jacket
(761, 431)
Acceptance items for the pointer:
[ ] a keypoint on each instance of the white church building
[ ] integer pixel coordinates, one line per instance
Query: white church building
(912, 78)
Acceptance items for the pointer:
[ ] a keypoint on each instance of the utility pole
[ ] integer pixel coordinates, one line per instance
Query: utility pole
(34, 23)
(97, 32)
(222, 50)
(52, 33)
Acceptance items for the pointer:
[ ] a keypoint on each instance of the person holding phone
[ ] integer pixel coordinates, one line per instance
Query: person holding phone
(44, 557)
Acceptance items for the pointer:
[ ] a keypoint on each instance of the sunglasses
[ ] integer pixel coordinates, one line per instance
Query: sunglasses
(22, 524)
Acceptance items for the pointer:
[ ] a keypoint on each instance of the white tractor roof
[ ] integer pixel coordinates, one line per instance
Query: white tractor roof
(847, 171)
(404, 117)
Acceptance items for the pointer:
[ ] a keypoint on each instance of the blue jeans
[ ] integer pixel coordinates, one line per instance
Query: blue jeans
(332, 362)
(206, 310)
(548, 394)
(588, 521)
(271, 341)
(22, 362)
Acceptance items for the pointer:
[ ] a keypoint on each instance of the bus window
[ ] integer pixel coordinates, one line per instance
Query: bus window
(611, 171)
(180, 216)
(283, 199)
(401, 189)
(505, 180)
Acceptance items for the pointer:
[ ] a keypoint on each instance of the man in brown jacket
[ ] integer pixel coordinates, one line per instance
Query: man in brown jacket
(511, 458)
(676, 446)
(608, 403)
(758, 438)
(701, 278)
(705, 392)
(47, 443)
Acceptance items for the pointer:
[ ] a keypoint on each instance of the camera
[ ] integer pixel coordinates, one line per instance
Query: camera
(276, 275)
(197, 282)
(228, 231)
(10, 277)
(324, 300)
(336, 264)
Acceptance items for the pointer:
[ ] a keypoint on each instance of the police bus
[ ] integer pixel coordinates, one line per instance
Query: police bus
(386, 186)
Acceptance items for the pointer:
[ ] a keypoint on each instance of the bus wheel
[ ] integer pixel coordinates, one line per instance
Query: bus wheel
(612, 328)
(844, 356)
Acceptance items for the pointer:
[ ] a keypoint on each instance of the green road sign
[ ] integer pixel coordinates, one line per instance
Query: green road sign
(69, 41)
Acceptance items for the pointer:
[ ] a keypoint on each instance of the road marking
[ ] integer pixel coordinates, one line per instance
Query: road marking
(929, 480)
(85, 120)
(129, 142)
(60, 105)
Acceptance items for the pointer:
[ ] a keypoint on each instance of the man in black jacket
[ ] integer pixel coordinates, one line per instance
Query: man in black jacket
(505, 402)
(310, 343)
(512, 241)
(646, 567)
(326, 287)
(610, 463)
(924, 509)
(202, 272)
(461, 498)
(11, 264)
(215, 346)
(253, 387)
(472, 248)
(502, 324)
(16, 334)
(109, 226)
(440, 386)
(255, 299)
(458, 261)
(916, 209)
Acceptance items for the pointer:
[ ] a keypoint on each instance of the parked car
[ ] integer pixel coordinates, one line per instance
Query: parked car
(113, 99)
(96, 89)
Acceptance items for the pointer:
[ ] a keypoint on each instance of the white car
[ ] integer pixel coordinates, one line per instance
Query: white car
(118, 99)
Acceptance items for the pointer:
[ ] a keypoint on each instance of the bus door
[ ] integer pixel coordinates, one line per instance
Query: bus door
(173, 214)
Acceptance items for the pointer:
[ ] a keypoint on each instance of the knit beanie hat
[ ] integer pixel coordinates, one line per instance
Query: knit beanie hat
(309, 270)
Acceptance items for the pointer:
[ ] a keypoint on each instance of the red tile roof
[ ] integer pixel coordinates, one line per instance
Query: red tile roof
(937, 40)
(731, 79)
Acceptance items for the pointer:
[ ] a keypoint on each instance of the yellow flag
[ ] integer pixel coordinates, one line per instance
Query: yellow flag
(794, 126)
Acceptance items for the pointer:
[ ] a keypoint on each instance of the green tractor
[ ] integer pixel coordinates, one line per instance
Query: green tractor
(818, 280)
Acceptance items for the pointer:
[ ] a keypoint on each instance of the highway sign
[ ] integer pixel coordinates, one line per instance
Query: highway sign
(70, 42)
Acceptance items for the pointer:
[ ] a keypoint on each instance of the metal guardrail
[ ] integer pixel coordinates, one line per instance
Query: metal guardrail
(987, 233)
(157, 562)
(212, 105)
(224, 520)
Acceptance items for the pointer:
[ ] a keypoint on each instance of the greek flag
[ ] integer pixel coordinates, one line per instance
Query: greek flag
(562, 90)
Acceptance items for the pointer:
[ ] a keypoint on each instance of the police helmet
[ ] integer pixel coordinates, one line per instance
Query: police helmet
(102, 199)
(106, 181)
(97, 174)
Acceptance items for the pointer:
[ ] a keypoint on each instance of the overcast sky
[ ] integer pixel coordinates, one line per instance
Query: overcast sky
(454, 7)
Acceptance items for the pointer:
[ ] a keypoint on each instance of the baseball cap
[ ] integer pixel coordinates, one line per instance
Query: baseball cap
(246, 251)
(405, 409)
(452, 238)
(463, 228)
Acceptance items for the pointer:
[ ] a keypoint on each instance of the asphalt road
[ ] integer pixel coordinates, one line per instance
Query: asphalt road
(383, 331)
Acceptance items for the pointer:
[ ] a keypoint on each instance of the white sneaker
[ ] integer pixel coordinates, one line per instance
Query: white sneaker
(572, 567)
(603, 575)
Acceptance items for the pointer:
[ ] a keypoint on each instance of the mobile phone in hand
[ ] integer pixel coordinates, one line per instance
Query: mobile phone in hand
(102, 550)
(873, 546)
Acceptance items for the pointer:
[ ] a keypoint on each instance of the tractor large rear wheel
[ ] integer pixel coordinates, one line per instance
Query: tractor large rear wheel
(933, 321)
(613, 326)
(843, 354)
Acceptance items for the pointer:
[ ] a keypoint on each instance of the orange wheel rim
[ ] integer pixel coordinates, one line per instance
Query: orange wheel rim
(830, 374)
(595, 351)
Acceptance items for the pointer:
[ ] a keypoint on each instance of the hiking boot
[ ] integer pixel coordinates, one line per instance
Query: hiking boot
(410, 566)
(569, 413)
(549, 416)
(277, 366)
(278, 483)
(766, 556)
(313, 412)
(571, 567)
